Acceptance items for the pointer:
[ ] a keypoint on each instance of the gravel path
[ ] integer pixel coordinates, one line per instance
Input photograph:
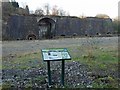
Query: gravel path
(17, 47)
(22, 78)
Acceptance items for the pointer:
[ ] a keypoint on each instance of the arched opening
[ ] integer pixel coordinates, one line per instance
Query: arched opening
(46, 28)
(63, 35)
(74, 34)
(108, 32)
(86, 34)
(31, 37)
(97, 33)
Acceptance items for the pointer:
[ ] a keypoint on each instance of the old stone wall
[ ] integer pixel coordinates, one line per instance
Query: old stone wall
(27, 27)
(19, 27)
(69, 26)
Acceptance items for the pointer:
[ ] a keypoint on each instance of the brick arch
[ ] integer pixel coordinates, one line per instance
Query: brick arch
(31, 37)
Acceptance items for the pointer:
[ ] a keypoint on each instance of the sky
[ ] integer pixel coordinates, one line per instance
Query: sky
(77, 7)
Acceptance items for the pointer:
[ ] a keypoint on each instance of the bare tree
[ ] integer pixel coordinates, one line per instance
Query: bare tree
(82, 16)
(47, 9)
(39, 12)
(59, 11)
(55, 10)
(62, 12)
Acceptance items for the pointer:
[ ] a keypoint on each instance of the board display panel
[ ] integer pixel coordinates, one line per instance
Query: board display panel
(55, 54)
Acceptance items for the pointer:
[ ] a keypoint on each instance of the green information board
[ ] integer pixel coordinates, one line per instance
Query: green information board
(55, 54)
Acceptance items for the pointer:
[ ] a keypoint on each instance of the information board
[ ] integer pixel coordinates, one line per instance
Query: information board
(55, 54)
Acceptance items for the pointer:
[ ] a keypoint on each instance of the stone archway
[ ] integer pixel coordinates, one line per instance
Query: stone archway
(31, 37)
(46, 28)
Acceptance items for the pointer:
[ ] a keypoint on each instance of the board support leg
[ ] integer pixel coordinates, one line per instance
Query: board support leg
(63, 72)
(49, 72)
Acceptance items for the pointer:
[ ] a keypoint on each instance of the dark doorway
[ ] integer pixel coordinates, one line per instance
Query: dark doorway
(46, 28)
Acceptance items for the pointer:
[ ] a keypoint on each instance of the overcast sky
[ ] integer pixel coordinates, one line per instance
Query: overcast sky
(78, 7)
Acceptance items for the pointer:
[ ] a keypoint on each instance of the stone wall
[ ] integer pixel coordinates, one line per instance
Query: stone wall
(20, 27)
(27, 27)
(70, 26)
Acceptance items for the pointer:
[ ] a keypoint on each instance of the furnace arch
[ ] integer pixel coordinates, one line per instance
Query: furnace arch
(31, 37)
(46, 28)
